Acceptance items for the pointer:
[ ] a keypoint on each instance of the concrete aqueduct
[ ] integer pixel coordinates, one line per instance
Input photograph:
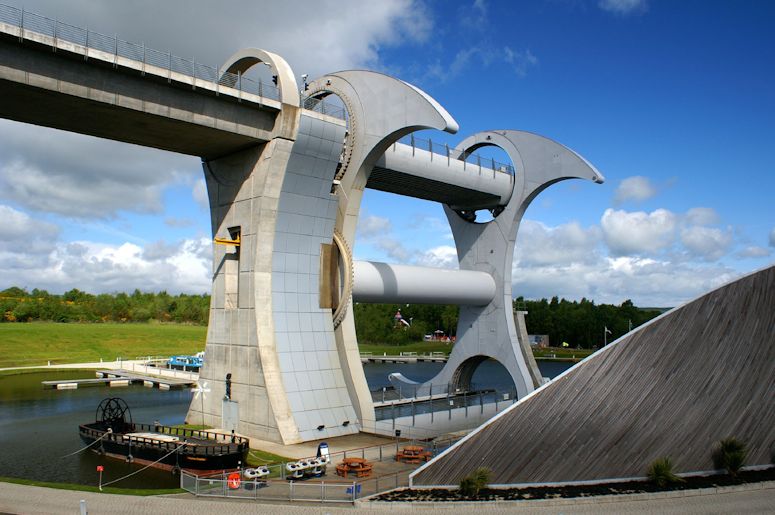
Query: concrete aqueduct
(285, 176)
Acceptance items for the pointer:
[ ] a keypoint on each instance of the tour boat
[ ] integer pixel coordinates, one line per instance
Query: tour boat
(114, 434)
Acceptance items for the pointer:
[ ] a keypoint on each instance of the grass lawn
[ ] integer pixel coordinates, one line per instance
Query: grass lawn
(36, 343)
(559, 352)
(87, 488)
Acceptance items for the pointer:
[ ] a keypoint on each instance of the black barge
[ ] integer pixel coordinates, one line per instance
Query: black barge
(114, 434)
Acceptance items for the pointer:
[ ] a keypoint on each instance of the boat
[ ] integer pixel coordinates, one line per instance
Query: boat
(114, 434)
(188, 363)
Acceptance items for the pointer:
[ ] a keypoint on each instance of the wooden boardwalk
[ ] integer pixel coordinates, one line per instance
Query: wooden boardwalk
(120, 378)
(673, 387)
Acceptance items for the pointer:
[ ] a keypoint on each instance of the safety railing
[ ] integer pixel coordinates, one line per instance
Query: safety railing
(322, 106)
(402, 402)
(112, 45)
(327, 488)
(469, 158)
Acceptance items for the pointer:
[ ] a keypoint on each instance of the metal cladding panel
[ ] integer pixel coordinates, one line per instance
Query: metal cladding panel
(673, 387)
(382, 282)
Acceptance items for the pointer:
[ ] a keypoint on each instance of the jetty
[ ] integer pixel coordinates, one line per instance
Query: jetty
(405, 357)
(116, 378)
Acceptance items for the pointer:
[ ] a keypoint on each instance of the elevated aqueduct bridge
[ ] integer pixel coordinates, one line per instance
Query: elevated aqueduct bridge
(285, 175)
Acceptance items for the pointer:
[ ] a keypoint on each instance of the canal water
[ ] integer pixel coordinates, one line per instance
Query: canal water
(39, 427)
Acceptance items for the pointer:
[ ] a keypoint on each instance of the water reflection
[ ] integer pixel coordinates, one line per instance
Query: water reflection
(38, 427)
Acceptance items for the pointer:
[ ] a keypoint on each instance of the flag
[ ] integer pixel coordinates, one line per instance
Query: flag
(608, 331)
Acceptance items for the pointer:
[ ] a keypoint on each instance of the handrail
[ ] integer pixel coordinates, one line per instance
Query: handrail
(89, 39)
(27, 21)
(450, 153)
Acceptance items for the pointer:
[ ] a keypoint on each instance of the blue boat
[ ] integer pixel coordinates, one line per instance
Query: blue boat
(189, 363)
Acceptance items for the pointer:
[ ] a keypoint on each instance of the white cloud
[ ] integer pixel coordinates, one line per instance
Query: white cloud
(638, 232)
(482, 56)
(754, 251)
(199, 194)
(520, 60)
(84, 177)
(19, 229)
(702, 216)
(708, 243)
(647, 281)
(636, 188)
(315, 37)
(538, 244)
(443, 256)
(95, 267)
(371, 226)
(623, 7)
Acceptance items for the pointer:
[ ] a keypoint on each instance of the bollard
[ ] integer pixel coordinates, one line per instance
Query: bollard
(83, 507)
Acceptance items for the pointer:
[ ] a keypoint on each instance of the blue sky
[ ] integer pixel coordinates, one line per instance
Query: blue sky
(674, 102)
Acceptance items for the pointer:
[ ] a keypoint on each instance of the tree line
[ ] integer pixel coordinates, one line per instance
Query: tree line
(580, 324)
(577, 323)
(19, 305)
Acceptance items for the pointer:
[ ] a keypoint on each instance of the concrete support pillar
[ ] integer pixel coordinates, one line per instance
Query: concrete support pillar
(490, 331)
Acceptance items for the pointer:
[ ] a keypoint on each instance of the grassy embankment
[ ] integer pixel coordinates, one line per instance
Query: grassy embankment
(38, 343)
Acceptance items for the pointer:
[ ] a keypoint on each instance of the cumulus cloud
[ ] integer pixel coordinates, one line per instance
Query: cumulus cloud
(624, 7)
(647, 281)
(99, 268)
(371, 226)
(754, 251)
(315, 37)
(538, 244)
(708, 243)
(83, 177)
(702, 216)
(443, 256)
(638, 232)
(636, 188)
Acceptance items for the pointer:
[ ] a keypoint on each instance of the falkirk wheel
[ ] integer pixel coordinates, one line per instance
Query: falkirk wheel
(282, 356)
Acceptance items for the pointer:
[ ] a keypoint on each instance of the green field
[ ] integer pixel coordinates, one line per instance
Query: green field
(37, 343)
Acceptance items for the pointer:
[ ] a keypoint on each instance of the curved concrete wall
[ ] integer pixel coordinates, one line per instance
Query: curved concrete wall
(673, 387)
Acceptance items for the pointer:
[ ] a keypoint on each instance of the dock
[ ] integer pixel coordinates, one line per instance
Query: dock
(405, 357)
(116, 378)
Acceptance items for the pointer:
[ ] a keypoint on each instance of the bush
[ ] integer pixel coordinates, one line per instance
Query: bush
(730, 455)
(661, 473)
(475, 481)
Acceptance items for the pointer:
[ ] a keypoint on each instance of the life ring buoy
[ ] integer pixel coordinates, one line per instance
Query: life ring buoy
(234, 480)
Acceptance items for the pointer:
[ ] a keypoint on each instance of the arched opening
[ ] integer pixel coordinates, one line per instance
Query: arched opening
(485, 158)
(481, 373)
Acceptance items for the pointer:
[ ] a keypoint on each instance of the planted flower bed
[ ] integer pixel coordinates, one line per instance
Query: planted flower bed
(564, 492)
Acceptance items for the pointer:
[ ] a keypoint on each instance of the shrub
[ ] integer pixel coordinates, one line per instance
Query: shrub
(730, 455)
(661, 472)
(475, 481)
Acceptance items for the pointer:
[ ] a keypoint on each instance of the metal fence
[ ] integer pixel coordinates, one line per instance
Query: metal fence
(112, 45)
(278, 488)
(468, 158)
(395, 406)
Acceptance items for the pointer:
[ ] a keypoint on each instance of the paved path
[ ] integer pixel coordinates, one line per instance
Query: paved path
(759, 499)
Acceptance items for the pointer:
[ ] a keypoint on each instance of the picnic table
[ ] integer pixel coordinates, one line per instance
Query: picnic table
(413, 454)
(359, 466)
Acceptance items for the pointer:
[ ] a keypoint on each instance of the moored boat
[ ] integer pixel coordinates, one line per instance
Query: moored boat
(114, 434)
